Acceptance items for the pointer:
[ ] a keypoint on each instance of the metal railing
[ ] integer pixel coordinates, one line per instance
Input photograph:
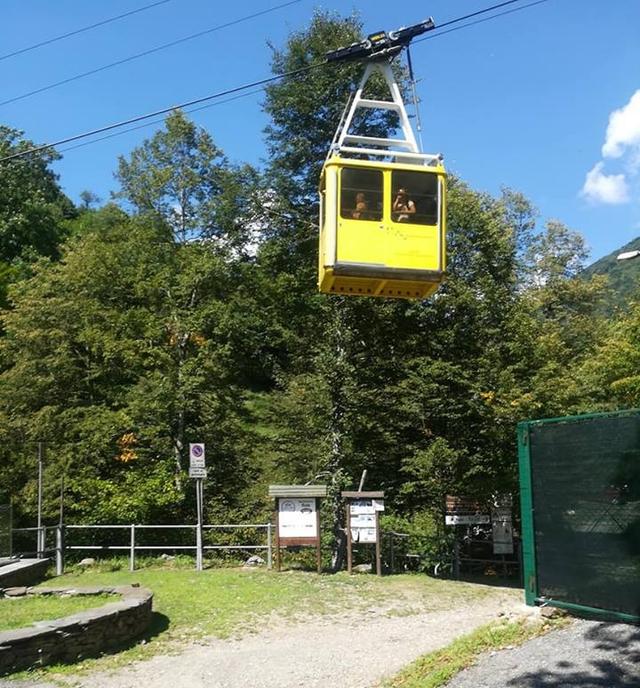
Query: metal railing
(62, 535)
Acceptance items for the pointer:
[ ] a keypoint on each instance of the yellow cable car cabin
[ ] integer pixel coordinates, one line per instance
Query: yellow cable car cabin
(382, 201)
(382, 228)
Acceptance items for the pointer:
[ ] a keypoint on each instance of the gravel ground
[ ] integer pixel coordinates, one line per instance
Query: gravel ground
(348, 651)
(587, 654)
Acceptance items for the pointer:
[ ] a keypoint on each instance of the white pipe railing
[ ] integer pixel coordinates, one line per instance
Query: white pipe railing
(133, 547)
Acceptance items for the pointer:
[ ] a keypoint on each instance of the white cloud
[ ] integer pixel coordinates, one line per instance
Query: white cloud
(623, 131)
(605, 188)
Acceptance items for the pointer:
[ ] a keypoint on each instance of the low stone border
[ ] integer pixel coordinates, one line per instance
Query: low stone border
(22, 572)
(81, 635)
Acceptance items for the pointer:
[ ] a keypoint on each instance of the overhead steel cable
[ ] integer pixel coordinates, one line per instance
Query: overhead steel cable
(140, 118)
(160, 121)
(220, 94)
(144, 53)
(479, 21)
(82, 30)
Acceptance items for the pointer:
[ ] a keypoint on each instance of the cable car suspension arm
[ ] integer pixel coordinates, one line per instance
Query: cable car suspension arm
(381, 45)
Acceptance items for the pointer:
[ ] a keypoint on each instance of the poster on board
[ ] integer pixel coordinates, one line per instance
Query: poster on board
(297, 518)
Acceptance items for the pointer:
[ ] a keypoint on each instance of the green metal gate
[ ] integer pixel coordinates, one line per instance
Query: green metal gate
(580, 499)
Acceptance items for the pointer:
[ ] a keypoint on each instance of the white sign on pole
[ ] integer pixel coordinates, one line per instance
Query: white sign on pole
(502, 530)
(197, 472)
(297, 518)
(196, 455)
(466, 519)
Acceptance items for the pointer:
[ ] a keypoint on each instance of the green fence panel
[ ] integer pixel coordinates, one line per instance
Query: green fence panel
(580, 498)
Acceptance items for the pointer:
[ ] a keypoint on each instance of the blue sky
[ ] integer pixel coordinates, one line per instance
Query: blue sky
(545, 100)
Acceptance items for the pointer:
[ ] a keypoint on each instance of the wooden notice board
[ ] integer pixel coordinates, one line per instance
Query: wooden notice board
(297, 518)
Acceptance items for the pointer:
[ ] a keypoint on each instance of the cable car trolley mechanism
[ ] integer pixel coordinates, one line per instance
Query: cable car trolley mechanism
(382, 201)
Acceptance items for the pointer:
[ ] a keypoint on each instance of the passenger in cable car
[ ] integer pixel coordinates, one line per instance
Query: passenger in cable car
(360, 212)
(403, 207)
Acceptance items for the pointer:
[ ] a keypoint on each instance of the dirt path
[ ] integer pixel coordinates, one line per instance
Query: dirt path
(349, 651)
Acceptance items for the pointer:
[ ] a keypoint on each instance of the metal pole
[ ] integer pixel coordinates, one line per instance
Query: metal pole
(132, 549)
(349, 542)
(269, 546)
(59, 551)
(198, 527)
(40, 543)
(378, 552)
(393, 553)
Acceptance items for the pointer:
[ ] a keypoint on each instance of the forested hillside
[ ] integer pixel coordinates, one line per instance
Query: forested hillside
(623, 275)
(185, 310)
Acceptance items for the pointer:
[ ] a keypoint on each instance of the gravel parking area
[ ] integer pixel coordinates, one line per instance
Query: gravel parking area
(587, 654)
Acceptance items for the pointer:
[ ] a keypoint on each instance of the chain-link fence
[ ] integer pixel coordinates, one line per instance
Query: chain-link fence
(580, 484)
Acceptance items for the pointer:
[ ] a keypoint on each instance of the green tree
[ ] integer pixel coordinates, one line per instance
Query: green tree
(33, 208)
(119, 356)
(183, 177)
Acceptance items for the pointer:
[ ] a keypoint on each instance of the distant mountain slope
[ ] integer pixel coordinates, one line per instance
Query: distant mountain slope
(624, 275)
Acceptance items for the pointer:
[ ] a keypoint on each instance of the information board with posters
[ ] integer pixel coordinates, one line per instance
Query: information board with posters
(297, 518)
(363, 524)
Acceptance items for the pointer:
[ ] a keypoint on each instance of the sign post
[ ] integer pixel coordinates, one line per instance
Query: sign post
(198, 471)
(363, 523)
(297, 516)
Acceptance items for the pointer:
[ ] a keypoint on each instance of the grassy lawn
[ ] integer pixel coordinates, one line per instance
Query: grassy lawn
(230, 602)
(17, 612)
(438, 668)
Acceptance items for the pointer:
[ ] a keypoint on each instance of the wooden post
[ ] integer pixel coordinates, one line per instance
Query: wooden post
(349, 544)
(378, 553)
(277, 520)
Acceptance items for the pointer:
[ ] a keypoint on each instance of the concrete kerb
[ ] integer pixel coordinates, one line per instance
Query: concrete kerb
(77, 636)
(15, 572)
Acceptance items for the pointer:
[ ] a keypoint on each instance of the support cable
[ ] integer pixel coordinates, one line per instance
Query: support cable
(237, 89)
(82, 30)
(144, 53)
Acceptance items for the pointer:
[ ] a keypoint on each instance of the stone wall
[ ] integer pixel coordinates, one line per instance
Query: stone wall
(81, 635)
(23, 572)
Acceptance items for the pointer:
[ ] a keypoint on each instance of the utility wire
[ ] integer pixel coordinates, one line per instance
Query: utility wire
(237, 89)
(150, 51)
(82, 30)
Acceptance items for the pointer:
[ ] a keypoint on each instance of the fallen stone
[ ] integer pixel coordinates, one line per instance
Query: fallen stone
(255, 560)
(88, 561)
(15, 592)
(552, 612)
(362, 568)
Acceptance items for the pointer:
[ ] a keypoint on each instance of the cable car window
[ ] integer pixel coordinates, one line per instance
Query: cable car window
(414, 197)
(361, 194)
